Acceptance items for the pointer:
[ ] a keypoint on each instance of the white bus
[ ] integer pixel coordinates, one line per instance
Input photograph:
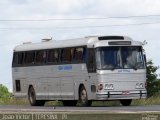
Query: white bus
(98, 68)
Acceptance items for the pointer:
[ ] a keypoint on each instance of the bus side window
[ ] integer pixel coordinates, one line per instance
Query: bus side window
(40, 57)
(53, 56)
(15, 59)
(18, 59)
(91, 64)
(66, 55)
(78, 54)
(73, 54)
(29, 57)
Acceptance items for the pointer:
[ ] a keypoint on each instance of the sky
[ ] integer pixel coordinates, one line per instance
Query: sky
(32, 20)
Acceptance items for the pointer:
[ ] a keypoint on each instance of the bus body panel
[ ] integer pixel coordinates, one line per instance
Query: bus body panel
(124, 84)
(53, 82)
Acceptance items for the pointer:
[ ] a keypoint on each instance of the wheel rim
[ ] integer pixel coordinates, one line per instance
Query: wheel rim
(83, 96)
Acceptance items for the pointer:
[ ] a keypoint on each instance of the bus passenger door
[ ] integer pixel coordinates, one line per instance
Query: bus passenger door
(91, 66)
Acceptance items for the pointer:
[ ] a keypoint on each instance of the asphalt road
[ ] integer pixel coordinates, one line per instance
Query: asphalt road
(118, 109)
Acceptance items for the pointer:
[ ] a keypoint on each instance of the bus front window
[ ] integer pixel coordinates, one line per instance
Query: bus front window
(132, 57)
(110, 58)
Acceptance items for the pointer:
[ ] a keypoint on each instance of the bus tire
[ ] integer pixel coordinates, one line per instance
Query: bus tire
(32, 98)
(126, 102)
(83, 97)
(69, 102)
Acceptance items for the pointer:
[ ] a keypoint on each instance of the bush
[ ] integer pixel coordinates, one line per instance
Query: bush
(4, 93)
(153, 84)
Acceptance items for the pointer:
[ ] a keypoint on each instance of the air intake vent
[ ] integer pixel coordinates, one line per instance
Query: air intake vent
(111, 38)
(18, 85)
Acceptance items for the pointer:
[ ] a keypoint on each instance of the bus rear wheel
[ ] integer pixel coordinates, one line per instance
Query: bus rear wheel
(126, 102)
(83, 97)
(32, 98)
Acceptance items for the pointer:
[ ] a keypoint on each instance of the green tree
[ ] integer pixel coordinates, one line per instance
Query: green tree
(4, 93)
(153, 84)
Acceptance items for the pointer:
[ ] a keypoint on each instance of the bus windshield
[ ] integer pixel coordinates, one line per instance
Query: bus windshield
(120, 57)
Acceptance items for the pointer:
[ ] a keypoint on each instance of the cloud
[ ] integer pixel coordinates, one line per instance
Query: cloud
(127, 7)
(18, 8)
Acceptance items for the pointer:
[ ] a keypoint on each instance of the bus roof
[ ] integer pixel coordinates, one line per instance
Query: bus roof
(86, 41)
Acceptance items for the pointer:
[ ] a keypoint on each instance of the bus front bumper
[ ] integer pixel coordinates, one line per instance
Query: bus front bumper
(121, 95)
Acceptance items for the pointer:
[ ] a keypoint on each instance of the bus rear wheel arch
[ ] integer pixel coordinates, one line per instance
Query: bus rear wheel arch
(126, 102)
(69, 102)
(32, 98)
(83, 97)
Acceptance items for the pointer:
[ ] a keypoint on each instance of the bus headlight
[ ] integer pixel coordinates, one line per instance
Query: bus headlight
(109, 86)
(100, 87)
(140, 85)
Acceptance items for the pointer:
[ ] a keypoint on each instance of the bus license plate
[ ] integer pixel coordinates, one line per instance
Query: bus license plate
(125, 93)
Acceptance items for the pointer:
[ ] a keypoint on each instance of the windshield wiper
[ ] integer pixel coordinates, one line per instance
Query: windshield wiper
(113, 68)
(135, 67)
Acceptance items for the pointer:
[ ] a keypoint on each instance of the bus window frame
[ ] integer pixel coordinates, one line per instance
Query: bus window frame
(46, 62)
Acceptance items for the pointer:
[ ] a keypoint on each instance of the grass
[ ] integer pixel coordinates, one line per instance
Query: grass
(155, 100)
(13, 101)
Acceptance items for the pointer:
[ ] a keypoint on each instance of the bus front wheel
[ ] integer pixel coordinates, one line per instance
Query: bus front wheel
(83, 97)
(32, 98)
(126, 102)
